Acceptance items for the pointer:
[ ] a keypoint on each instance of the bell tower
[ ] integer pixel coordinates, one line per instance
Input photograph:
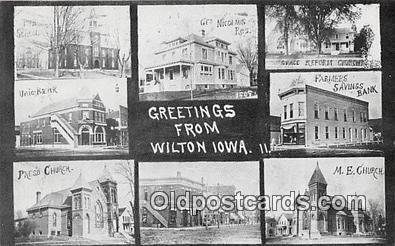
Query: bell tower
(109, 186)
(81, 202)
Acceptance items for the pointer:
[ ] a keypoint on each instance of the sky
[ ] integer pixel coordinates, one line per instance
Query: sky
(25, 189)
(172, 21)
(243, 175)
(67, 88)
(281, 81)
(285, 175)
(114, 19)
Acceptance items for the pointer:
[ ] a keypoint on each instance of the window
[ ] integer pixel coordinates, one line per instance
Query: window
(327, 113)
(54, 222)
(344, 133)
(301, 109)
(291, 110)
(223, 73)
(316, 111)
(57, 136)
(316, 133)
(99, 214)
(99, 135)
(356, 134)
(360, 116)
(171, 74)
(336, 133)
(345, 115)
(85, 115)
(353, 115)
(184, 51)
(327, 132)
(349, 133)
(204, 53)
(145, 195)
(285, 112)
(230, 60)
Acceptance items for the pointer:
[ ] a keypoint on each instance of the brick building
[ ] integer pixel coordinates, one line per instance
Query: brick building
(168, 217)
(85, 209)
(75, 121)
(192, 62)
(92, 48)
(317, 222)
(312, 117)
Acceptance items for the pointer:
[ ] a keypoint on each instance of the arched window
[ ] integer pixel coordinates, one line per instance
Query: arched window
(99, 214)
(99, 135)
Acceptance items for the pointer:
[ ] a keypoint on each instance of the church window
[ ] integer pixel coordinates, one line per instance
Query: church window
(54, 220)
(99, 214)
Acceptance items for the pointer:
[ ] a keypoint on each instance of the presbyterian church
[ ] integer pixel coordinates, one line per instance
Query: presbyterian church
(86, 209)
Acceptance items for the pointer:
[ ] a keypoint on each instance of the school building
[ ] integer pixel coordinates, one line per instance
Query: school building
(316, 117)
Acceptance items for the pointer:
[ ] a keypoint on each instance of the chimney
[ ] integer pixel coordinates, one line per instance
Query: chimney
(178, 174)
(203, 33)
(38, 196)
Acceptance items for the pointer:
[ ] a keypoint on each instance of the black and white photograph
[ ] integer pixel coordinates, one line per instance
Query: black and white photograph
(332, 35)
(71, 42)
(71, 118)
(327, 201)
(195, 203)
(74, 202)
(326, 113)
(197, 52)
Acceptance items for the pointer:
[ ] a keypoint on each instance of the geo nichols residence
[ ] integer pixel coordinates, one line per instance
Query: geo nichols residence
(177, 218)
(85, 209)
(314, 223)
(192, 63)
(74, 122)
(315, 117)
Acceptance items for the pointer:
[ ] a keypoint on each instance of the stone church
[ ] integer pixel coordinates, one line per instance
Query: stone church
(314, 223)
(86, 209)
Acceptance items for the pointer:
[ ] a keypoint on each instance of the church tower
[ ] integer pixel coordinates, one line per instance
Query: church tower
(109, 186)
(318, 218)
(81, 202)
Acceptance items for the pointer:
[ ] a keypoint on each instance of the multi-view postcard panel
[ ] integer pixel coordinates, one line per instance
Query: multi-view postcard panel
(197, 52)
(71, 118)
(325, 202)
(339, 35)
(182, 203)
(78, 202)
(71, 42)
(326, 113)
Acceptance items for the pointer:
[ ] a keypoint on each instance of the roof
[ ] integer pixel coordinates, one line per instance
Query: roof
(67, 103)
(317, 176)
(57, 199)
(331, 93)
(80, 183)
(208, 39)
(121, 210)
(288, 216)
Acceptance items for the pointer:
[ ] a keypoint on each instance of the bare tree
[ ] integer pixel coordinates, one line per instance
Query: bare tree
(66, 27)
(126, 171)
(123, 54)
(375, 211)
(247, 55)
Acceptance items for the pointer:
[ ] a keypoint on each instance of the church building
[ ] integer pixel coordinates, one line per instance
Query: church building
(86, 209)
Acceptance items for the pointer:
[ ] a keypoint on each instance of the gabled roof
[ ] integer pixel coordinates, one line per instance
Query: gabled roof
(57, 199)
(317, 176)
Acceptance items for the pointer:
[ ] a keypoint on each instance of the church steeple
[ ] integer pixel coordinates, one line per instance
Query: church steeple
(317, 176)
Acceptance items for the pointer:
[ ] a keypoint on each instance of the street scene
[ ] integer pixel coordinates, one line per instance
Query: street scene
(71, 117)
(72, 203)
(71, 42)
(175, 183)
(326, 114)
(197, 52)
(321, 203)
(322, 36)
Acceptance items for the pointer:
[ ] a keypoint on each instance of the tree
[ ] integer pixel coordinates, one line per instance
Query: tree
(286, 20)
(66, 30)
(112, 131)
(363, 40)
(247, 55)
(123, 54)
(25, 228)
(319, 21)
(375, 212)
(126, 171)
